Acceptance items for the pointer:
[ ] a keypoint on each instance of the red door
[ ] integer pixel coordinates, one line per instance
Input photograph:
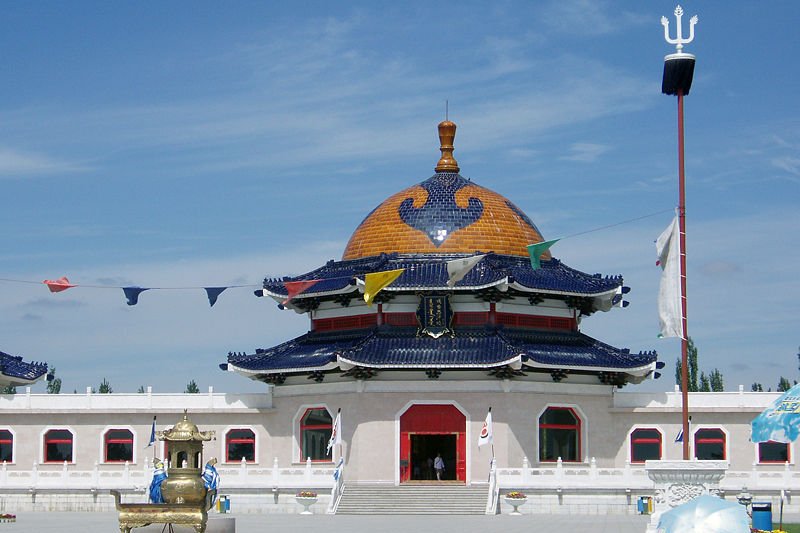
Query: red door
(434, 419)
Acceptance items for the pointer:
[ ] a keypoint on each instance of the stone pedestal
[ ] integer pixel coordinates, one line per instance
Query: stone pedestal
(677, 482)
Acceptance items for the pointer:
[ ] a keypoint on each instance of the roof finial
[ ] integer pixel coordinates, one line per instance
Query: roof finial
(447, 132)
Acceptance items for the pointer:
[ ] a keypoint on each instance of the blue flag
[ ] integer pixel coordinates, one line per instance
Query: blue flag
(152, 434)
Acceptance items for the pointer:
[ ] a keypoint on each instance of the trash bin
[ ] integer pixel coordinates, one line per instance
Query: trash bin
(645, 505)
(224, 504)
(762, 515)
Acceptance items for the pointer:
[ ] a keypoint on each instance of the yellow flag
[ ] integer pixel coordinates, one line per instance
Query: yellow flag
(375, 282)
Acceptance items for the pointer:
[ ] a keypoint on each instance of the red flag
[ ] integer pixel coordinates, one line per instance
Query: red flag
(61, 284)
(293, 288)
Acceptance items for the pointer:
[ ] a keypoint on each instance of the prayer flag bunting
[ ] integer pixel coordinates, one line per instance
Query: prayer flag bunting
(293, 288)
(58, 285)
(458, 268)
(375, 282)
(536, 251)
(486, 435)
(213, 293)
(132, 294)
(336, 431)
(670, 315)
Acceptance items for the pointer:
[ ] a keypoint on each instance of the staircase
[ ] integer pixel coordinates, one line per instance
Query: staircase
(412, 499)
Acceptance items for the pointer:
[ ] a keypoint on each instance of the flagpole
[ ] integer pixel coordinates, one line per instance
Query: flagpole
(677, 80)
(684, 324)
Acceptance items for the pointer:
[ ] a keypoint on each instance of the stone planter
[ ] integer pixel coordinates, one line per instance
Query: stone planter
(306, 502)
(515, 503)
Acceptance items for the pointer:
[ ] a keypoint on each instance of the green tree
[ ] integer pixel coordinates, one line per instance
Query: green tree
(141, 389)
(705, 384)
(716, 382)
(105, 387)
(192, 388)
(756, 387)
(691, 356)
(54, 385)
(9, 389)
(711, 382)
(783, 384)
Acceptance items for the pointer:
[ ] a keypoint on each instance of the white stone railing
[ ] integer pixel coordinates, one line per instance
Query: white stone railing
(338, 487)
(132, 401)
(104, 477)
(564, 476)
(494, 489)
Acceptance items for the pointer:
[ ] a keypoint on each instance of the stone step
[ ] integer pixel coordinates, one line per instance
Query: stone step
(412, 499)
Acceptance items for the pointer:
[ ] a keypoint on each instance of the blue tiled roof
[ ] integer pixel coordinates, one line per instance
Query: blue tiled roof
(398, 347)
(401, 347)
(312, 350)
(14, 367)
(564, 349)
(430, 271)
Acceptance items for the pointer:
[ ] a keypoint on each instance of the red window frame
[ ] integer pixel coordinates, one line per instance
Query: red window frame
(7, 439)
(645, 440)
(703, 436)
(576, 427)
(239, 440)
(117, 440)
(50, 440)
(305, 427)
(773, 443)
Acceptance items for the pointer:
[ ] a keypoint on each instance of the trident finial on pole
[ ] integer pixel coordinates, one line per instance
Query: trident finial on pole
(679, 41)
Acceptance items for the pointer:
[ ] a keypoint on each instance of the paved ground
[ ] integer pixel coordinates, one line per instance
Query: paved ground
(247, 523)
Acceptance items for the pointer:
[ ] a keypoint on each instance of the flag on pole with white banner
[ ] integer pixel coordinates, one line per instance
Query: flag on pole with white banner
(336, 431)
(486, 432)
(670, 315)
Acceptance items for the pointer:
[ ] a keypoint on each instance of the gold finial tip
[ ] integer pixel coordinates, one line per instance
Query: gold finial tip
(447, 132)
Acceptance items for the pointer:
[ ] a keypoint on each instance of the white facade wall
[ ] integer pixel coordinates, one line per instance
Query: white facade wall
(370, 413)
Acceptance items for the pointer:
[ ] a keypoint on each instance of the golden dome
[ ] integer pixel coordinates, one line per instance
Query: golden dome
(445, 214)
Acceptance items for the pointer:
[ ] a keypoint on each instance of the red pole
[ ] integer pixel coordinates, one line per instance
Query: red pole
(682, 229)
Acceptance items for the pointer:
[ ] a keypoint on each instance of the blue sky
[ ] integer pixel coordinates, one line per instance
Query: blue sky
(185, 144)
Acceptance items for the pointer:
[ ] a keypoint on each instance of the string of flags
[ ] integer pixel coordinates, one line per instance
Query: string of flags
(132, 293)
(373, 282)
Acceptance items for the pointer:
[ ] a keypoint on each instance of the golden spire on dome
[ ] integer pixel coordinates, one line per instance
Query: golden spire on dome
(447, 132)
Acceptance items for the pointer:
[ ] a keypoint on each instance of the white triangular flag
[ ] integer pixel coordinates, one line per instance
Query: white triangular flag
(458, 268)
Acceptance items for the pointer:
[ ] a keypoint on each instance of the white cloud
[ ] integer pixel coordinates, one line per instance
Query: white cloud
(585, 152)
(15, 164)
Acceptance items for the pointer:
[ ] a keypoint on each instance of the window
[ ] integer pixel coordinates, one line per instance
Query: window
(559, 435)
(709, 444)
(645, 445)
(240, 444)
(119, 445)
(58, 446)
(773, 452)
(315, 432)
(6, 446)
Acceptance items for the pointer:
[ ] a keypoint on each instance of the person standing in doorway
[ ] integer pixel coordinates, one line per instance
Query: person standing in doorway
(438, 465)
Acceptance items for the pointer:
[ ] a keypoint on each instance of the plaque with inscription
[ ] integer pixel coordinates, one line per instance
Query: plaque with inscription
(434, 315)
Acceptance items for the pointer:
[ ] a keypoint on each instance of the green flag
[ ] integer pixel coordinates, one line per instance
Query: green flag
(536, 251)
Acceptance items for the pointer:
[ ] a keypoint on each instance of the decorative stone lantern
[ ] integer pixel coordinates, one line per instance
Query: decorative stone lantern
(184, 448)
